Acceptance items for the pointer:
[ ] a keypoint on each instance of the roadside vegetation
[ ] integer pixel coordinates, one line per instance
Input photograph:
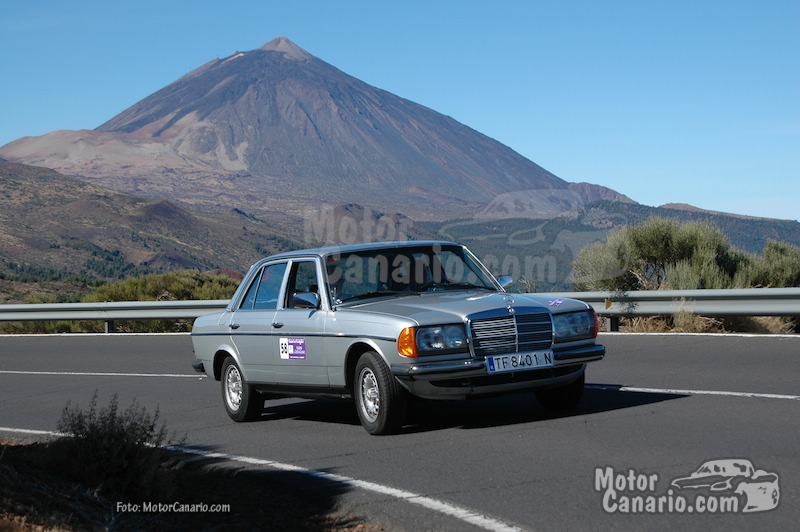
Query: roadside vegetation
(117, 452)
(170, 286)
(663, 254)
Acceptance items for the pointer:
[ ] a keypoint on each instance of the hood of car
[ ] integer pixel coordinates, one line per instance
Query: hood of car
(429, 308)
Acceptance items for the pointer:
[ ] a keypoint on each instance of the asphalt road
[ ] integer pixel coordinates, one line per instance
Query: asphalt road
(655, 409)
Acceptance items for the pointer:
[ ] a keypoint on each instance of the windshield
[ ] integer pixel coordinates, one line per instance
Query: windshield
(372, 273)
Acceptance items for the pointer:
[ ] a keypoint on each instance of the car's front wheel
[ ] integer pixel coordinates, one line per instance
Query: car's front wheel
(562, 397)
(381, 401)
(241, 400)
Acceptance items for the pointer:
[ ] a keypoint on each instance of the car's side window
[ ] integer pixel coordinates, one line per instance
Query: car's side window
(265, 289)
(302, 280)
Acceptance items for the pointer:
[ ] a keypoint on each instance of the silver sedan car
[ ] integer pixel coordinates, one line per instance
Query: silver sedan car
(379, 322)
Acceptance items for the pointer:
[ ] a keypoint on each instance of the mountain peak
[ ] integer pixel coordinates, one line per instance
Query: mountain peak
(287, 47)
(278, 118)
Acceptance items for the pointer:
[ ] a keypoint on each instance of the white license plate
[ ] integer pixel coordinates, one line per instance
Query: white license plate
(519, 361)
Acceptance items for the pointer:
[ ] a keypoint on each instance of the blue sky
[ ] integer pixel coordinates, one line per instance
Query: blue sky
(682, 101)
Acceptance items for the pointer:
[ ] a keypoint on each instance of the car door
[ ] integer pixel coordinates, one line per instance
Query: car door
(251, 325)
(300, 327)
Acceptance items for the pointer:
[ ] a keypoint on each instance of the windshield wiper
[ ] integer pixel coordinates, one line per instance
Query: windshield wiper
(375, 293)
(447, 284)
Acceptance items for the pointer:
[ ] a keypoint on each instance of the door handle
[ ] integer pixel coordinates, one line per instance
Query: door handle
(234, 325)
(277, 324)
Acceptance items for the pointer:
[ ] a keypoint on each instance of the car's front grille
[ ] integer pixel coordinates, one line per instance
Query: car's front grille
(511, 333)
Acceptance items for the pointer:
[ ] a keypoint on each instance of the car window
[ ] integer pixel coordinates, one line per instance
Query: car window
(386, 271)
(355, 274)
(305, 277)
(302, 279)
(459, 268)
(265, 289)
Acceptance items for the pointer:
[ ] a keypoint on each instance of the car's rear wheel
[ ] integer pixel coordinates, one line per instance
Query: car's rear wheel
(241, 400)
(562, 397)
(381, 402)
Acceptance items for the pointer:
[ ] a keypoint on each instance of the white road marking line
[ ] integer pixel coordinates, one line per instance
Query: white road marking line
(605, 387)
(463, 514)
(457, 512)
(608, 387)
(101, 374)
(32, 431)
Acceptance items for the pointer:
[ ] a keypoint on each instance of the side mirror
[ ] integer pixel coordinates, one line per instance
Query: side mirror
(305, 300)
(505, 281)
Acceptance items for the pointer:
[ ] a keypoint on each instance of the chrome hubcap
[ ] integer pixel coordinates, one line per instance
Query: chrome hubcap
(233, 388)
(370, 395)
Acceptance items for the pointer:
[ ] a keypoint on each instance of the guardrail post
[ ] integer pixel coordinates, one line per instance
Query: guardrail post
(612, 323)
(109, 326)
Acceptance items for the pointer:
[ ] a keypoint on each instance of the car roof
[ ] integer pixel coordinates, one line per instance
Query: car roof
(366, 246)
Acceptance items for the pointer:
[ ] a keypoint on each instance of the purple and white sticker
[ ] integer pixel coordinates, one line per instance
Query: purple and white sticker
(293, 348)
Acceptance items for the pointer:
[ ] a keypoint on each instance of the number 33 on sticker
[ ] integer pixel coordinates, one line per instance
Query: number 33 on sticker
(293, 348)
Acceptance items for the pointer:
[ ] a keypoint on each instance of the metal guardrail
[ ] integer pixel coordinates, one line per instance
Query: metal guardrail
(612, 305)
(712, 303)
(111, 311)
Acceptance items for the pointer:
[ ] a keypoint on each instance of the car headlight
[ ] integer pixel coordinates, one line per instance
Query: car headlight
(440, 339)
(573, 326)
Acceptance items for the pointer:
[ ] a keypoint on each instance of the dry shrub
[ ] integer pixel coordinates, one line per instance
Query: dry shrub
(688, 322)
(681, 322)
(113, 451)
(650, 324)
(760, 325)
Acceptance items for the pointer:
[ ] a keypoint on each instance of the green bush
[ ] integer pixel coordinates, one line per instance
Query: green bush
(778, 266)
(178, 285)
(115, 452)
(665, 254)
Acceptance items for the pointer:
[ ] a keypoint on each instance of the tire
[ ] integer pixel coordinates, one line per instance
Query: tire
(242, 402)
(381, 402)
(563, 397)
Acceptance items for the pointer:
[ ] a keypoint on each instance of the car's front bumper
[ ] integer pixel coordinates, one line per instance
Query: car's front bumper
(469, 377)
